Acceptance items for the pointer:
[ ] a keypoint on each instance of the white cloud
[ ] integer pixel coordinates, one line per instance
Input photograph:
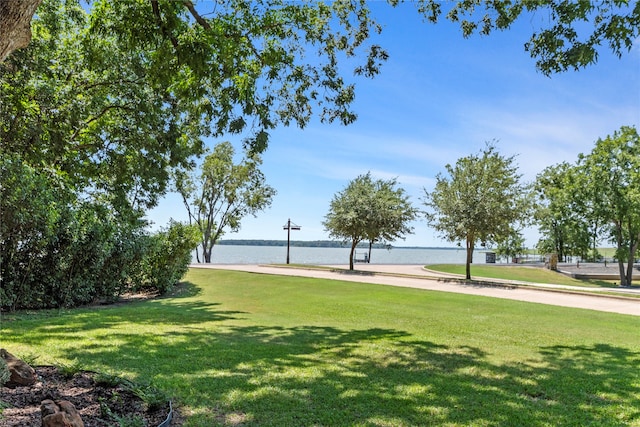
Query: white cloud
(541, 138)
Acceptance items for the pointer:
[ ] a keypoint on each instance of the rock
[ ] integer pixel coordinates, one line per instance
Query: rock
(21, 373)
(61, 413)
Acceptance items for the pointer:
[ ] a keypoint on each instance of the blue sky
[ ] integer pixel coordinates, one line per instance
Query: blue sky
(439, 97)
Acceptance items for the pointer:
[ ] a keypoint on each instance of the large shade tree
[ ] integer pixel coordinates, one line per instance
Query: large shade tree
(112, 98)
(222, 194)
(93, 109)
(567, 35)
(612, 177)
(118, 96)
(560, 207)
(368, 209)
(481, 201)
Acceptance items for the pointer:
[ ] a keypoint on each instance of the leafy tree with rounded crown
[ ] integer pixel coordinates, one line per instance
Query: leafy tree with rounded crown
(481, 201)
(369, 210)
(563, 212)
(612, 177)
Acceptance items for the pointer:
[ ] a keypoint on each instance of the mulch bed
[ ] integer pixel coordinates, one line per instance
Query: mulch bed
(98, 404)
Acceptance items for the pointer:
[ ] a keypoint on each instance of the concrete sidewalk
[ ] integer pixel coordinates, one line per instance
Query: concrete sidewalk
(414, 276)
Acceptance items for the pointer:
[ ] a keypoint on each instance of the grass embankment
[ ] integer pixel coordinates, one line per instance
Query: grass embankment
(257, 350)
(522, 274)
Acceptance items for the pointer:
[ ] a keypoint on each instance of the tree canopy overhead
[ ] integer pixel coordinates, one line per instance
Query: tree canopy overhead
(118, 93)
(249, 65)
(570, 33)
(117, 97)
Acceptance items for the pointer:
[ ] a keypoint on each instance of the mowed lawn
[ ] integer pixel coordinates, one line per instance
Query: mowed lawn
(236, 348)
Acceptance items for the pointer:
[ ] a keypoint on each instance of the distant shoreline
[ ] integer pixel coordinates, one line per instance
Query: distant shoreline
(320, 244)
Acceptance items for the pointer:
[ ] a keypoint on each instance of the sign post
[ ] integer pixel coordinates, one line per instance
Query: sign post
(289, 226)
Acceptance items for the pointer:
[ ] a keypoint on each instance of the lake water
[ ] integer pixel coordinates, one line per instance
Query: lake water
(238, 254)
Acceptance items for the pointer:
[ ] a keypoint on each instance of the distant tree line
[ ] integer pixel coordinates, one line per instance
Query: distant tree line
(300, 243)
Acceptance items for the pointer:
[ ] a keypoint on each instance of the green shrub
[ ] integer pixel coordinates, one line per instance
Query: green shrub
(167, 258)
(30, 206)
(57, 249)
(60, 250)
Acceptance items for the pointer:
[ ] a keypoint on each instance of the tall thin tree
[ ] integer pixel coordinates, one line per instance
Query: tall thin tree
(223, 194)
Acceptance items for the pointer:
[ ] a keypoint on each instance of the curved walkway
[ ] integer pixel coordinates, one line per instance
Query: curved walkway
(414, 276)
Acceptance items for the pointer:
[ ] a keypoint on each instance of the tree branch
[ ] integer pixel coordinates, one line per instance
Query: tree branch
(199, 19)
(156, 12)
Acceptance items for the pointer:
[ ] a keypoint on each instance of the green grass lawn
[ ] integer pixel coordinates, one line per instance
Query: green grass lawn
(524, 274)
(236, 348)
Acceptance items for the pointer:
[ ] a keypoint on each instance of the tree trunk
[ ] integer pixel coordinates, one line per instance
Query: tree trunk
(370, 245)
(619, 252)
(15, 24)
(352, 254)
(469, 257)
(632, 252)
(623, 275)
(629, 275)
(206, 244)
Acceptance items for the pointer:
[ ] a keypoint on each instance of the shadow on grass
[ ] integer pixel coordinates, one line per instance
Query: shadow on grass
(163, 312)
(184, 290)
(224, 373)
(274, 376)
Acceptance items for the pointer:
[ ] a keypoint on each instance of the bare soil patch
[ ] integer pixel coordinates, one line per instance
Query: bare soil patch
(98, 403)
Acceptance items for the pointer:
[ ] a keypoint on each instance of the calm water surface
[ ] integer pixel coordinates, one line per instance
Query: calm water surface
(231, 254)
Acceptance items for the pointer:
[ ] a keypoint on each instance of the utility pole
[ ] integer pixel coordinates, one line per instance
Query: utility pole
(289, 226)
